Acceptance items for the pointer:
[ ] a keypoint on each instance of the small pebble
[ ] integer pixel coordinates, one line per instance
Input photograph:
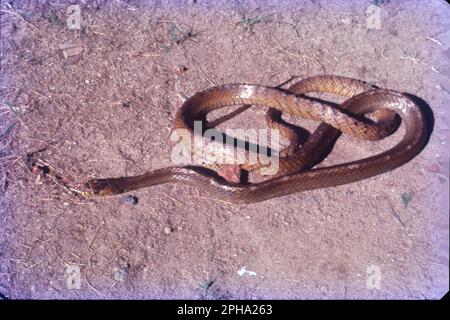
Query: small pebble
(168, 230)
(180, 69)
(36, 170)
(129, 199)
(69, 50)
(120, 274)
(22, 183)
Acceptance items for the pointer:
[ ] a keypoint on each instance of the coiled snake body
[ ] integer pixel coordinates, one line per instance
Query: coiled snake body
(296, 173)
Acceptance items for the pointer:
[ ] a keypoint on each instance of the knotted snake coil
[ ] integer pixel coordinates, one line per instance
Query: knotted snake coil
(296, 172)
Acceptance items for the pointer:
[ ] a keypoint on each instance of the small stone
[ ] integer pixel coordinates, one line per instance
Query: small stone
(120, 274)
(36, 170)
(69, 50)
(129, 199)
(346, 20)
(179, 70)
(22, 183)
(168, 230)
(38, 180)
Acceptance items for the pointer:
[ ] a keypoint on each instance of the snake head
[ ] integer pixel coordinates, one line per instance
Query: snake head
(100, 187)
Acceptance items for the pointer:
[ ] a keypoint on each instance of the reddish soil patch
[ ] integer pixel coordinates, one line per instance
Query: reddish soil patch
(100, 102)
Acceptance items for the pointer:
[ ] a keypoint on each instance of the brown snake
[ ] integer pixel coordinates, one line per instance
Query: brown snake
(296, 173)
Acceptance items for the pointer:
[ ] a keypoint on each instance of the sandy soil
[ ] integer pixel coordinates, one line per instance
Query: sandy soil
(100, 101)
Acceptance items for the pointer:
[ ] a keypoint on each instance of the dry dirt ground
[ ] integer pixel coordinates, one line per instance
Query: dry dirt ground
(99, 101)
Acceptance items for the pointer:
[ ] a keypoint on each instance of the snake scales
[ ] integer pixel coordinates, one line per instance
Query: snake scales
(296, 173)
